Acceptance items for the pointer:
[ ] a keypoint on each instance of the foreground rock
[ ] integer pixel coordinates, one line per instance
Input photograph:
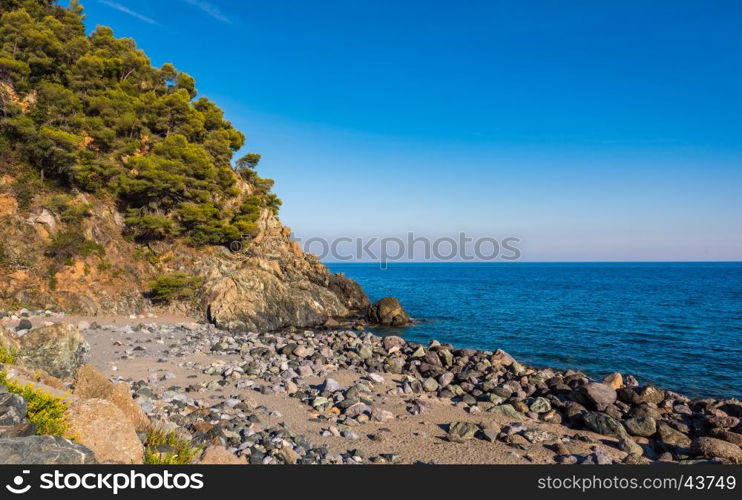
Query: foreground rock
(219, 455)
(44, 450)
(58, 349)
(91, 384)
(716, 448)
(101, 426)
(389, 312)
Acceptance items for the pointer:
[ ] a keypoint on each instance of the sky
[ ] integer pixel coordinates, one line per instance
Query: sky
(590, 131)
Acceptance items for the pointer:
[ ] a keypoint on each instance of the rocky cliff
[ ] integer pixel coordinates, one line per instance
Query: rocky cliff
(267, 284)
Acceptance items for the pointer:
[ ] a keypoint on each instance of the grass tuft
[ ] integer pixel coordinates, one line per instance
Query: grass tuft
(183, 452)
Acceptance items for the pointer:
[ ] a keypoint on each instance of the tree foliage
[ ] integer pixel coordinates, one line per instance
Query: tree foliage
(91, 112)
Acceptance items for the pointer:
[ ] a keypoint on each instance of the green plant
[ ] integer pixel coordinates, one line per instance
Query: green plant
(44, 410)
(8, 355)
(66, 246)
(174, 286)
(68, 211)
(179, 451)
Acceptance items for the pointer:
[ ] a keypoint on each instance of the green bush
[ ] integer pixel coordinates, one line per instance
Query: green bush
(181, 451)
(8, 355)
(67, 246)
(106, 121)
(174, 286)
(68, 211)
(45, 411)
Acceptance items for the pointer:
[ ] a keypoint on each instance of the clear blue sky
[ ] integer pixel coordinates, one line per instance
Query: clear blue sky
(591, 130)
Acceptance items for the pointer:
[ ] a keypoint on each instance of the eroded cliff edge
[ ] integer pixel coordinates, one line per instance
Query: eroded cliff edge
(268, 284)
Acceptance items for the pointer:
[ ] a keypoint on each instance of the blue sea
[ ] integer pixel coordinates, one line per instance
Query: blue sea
(677, 325)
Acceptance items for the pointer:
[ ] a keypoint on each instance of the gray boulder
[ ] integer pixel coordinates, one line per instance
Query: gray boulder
(58, 349)
(604, 424)
(12, 408)
(43, 450)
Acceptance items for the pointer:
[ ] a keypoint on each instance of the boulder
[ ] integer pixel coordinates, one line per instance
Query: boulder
(389, 312)
(639, 395)
(58, 349)
(219, 455)
(614, 380)
(716, 448)
(91, 384)
(600, 395)
(604, 424)
(101, 426)
(12, 408)
(540, 405)
(732, 437)
(43, 450)
(671, 436)
(629, 446)
(641, 426)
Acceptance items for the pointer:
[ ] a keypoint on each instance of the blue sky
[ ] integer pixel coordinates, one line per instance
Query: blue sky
(590, 130)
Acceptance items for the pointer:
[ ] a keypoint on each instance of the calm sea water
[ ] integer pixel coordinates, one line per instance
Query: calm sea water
(677, 325)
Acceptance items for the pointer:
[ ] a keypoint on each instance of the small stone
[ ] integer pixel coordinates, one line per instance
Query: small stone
(331, 385)
(462, 430)
(381, 415)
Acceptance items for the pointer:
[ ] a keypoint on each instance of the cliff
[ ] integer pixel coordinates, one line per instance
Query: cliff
(268, 284)
(119, 192)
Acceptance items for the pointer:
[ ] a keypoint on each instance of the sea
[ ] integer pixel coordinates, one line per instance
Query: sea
(675, 325)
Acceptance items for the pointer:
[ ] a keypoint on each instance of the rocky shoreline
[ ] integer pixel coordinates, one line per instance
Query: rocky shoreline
(338, 395)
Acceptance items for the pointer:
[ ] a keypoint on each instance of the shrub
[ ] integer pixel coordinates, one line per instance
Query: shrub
(183, 452)
(66, 246)
(68, 211)
(174, 286)
(7, 355)
(45, 411)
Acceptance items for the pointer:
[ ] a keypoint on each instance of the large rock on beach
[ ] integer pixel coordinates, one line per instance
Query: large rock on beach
(389, 312)
(44, 450)
(639, 395)
(91, 384)
(600, 395)
(641, 426)
(60, 350)
(716, 448)
(672, 436)
(101, 426)
(604, 424)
